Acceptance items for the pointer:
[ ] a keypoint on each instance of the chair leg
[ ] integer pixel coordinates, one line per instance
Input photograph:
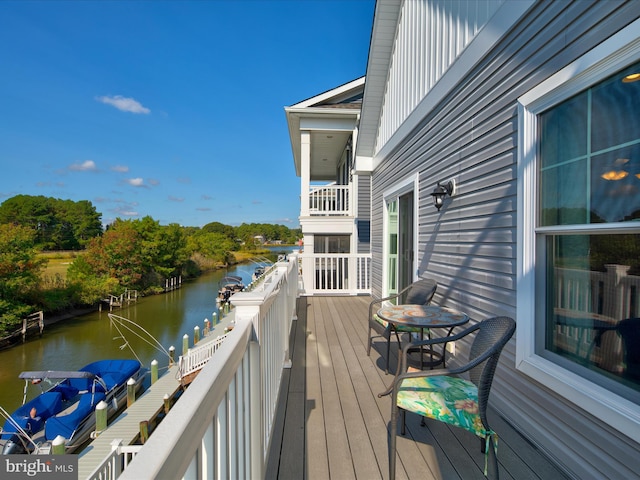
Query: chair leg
(393, 431)
(388, 353)
(369, 343)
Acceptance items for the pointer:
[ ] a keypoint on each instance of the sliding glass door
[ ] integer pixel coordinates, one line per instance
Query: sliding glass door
(399, 242)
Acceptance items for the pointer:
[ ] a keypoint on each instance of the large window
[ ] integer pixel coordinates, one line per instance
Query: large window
(589, 174)
(579, 233)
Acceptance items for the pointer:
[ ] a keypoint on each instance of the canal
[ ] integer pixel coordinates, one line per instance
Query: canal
(71, 344)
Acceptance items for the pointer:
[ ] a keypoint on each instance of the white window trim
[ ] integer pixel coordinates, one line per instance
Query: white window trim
(615, 53)
(410, 183)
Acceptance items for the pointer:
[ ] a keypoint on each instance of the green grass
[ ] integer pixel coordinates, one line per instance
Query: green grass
(57, 263)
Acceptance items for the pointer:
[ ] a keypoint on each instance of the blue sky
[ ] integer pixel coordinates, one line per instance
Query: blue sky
(173, 109)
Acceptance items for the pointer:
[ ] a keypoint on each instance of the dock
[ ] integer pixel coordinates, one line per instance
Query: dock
(126, 427)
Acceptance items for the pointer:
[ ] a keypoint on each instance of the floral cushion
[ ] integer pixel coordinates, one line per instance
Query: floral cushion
(448, 399)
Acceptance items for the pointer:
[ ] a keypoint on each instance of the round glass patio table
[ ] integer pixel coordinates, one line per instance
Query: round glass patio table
(424, 317)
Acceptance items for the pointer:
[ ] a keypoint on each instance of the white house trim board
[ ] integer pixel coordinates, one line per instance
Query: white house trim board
(338, 124)
(380, 51)
(330, 94)
(615, 53)
(327, 225)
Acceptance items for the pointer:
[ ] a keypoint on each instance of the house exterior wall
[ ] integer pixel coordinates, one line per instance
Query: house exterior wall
(363, 215)
(430, 37)
(470, 246)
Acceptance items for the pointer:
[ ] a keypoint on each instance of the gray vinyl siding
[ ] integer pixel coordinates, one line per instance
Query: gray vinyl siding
(469, 247)
(364, 214)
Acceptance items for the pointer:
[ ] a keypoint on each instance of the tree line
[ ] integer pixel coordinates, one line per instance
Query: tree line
(135, 254)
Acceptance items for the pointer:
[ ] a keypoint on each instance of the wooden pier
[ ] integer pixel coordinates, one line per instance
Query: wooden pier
(127, 297)
(127, 426)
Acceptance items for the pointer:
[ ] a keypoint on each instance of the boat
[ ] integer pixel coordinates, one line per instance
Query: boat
(228, 286)
(67, 408)
(258, 272)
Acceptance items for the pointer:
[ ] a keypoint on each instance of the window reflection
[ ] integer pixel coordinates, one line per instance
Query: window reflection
(590, 155)
(593, 305)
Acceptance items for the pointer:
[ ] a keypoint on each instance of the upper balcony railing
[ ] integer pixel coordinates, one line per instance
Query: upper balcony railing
(222, 424)
(330, 200)
(336, 273)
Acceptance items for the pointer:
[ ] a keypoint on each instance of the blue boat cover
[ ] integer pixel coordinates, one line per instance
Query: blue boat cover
(65, 425)
(113, 372)
(46, 405)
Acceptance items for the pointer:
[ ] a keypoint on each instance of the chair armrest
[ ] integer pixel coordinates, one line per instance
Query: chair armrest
(402, 364)
(384, 299)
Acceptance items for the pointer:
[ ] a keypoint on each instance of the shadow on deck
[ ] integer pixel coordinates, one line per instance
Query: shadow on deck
(331, 424)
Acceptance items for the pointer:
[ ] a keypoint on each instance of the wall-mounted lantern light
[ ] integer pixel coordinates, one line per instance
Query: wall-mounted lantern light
(441, 191)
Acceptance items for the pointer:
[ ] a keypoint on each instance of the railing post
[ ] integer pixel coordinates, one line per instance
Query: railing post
(614, 291)
(116, 444)
(255, 422)
(305, 171)
(352, 273)
(185, 344)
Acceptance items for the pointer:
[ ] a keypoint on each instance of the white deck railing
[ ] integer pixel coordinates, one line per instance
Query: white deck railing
(221, 426)
(329, 200)
(117, 461)
(336, 273)
(197, 357)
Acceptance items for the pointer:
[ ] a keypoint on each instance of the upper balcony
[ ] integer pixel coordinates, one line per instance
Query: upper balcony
(329, 200)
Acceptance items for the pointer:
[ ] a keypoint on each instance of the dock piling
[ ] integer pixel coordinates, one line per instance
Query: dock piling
(57, 446)
(144, 431)
(101, 417)
(131, 392)
(154, 371)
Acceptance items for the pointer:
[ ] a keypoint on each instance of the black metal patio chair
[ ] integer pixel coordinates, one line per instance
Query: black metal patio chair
(629, 330)
(443, 395)
(419, 292)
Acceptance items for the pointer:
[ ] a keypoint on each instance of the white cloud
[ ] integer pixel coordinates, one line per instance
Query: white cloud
(127, 213)
(135, 182)
(120, 168)
(86, 166)
(176, 199)
(126, 209)
(153, 182)
(124, 104)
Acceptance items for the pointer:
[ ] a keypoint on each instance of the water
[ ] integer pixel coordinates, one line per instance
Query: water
(71, 344)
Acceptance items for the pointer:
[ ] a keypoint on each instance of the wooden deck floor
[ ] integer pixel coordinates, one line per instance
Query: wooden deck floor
(332, 425)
